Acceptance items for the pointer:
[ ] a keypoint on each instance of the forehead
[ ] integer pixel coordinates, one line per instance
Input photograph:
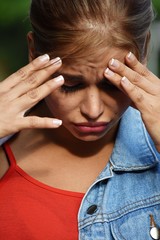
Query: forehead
(94, 64)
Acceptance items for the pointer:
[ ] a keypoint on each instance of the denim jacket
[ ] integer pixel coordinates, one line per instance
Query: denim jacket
(124, 201)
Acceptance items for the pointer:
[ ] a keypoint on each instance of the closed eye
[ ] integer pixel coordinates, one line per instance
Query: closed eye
(106, 85)
(72, 88)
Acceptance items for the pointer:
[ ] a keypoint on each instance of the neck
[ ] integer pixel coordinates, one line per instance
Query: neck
(64, 139)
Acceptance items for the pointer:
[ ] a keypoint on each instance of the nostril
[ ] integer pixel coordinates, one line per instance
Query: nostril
(91, 115)
(92, 107)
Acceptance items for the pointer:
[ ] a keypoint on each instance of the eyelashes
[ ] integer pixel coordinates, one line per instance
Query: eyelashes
(71, 89)
(103, 85)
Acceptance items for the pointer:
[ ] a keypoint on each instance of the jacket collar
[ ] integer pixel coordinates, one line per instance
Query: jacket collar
(134, 149)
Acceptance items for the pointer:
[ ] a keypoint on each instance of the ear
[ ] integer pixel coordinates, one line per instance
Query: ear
(31, 47)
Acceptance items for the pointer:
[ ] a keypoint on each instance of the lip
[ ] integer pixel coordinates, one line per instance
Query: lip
(88, 127)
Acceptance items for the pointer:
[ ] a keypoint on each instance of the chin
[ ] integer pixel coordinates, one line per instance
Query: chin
(89, 138)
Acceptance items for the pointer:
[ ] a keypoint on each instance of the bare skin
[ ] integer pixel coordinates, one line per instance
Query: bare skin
(62, 157)
(143, 88)
(24, 89)
(57, 166)
(65, 164)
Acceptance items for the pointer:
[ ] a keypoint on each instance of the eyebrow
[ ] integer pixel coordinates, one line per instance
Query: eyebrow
(81, 78)
(73, 78)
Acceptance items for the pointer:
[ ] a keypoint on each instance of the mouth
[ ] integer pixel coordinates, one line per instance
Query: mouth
(88, 127)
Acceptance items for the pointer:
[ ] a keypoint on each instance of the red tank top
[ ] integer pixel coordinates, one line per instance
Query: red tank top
(31, 210)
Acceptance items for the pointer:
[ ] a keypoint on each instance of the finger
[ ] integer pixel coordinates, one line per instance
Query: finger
(24, 72)
(134, 93)
(31, 98)
(140, 68)
(133, 76)
(113, 78)
(36, 79)
(38, 122)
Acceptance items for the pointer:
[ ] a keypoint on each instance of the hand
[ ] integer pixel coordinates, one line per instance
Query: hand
(142, 87)
(24, 89)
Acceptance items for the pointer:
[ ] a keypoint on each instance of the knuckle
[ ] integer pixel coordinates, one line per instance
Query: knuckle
(133, 89)
(136, 78)
(46, 122)
(122, 68)
(33, 94)
(139, 97)
(145, 72)
(32, 80)
(33, 122)
(5, 97)
(3, 90)
(155, 90)
(21, 73)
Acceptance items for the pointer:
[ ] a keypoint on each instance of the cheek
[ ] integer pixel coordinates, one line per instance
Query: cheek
(124, 103)
(61, 106)
(118, 103)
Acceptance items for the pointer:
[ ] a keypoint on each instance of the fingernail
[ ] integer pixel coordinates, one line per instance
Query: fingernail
(57, 122)
(44, 58)
(125, 81)
(114, 63)
(59, 79)
(130, 56)
(108, 72)
(56, 61)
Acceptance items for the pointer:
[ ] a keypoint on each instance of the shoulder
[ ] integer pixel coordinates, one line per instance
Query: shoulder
(4, 165)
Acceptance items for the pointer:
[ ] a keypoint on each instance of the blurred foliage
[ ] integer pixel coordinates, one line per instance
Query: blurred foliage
(14, 25)
(13, 11)
(156, 4)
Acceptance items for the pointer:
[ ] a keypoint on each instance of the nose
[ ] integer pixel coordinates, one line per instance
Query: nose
(92, 106)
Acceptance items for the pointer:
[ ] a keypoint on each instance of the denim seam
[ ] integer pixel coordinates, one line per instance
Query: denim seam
(133, 168)
(104, 217)
(101, 194)
(136, 205)
(115, 235)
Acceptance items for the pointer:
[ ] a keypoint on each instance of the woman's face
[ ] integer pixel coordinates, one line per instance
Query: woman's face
(87, 103)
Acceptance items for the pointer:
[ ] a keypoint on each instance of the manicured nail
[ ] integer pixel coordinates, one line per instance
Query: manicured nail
(57, 122)
(125, 81)
(130, 56)
(56, 61)
(59, 79)
(108, 72)
(114, 63)
(44, 58)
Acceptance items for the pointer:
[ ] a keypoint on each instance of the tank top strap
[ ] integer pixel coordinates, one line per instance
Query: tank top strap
(9, 154)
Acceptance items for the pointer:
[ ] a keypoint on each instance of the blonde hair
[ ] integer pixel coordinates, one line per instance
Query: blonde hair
(75, 28)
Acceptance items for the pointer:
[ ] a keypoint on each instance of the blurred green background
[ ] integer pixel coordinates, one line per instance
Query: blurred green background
(14, 25)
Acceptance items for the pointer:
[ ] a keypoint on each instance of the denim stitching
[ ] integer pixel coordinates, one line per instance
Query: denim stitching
(115, 235)
(110, 217)
(101, 195)
(135, 206)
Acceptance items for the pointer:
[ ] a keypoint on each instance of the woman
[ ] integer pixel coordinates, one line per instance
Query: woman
(86, 167)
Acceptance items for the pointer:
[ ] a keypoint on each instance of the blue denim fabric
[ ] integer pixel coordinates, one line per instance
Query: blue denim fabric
(127, 191)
